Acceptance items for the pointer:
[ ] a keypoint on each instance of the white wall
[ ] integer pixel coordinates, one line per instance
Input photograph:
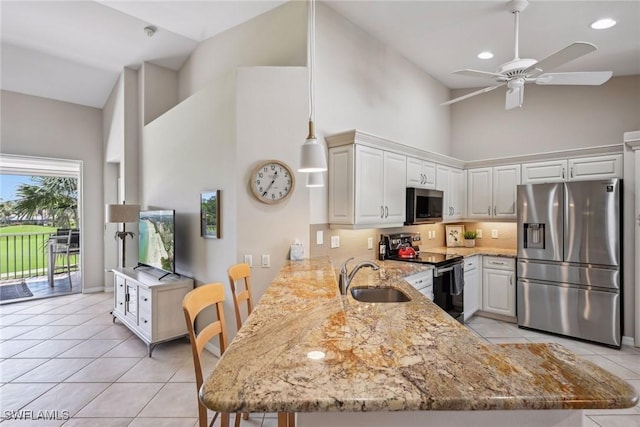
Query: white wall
(275, 38)
(271, 124)
(552, 118)
(159, 90)
(363, 84)
(33, 126)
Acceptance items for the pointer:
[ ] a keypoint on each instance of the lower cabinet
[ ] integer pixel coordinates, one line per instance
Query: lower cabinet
(151, 308)
(498, 285)
(472, 286)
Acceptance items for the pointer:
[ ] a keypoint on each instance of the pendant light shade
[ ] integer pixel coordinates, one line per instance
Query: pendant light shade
(312, 153)
(312, 158)
(315, 179)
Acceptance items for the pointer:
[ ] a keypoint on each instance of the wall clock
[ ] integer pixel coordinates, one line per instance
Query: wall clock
(272, 182)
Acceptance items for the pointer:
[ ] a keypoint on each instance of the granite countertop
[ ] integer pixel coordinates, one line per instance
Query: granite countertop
(388, 357)
(479, 250)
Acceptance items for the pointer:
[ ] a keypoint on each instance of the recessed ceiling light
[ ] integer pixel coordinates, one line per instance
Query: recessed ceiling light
(602, 24)
(485, 55)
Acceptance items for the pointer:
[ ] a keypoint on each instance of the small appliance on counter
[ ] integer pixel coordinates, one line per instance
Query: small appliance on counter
(448, 271)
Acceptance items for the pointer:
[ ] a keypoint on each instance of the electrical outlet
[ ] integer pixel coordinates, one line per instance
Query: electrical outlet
(335, 242)
(479, 233)
(430, 234)
(248, 259)
(370, 243)
(266, 261)
(433, 236)
(319, 237)
(494, 234)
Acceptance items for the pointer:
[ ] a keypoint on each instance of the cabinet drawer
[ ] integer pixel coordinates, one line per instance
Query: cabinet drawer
(144, 298)
(470, 263)
(144, 323)
(499, 263)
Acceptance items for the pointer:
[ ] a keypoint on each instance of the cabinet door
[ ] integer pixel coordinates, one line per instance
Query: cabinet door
(457, 190)
(498, 295)
(541, 172)
(442, 183)
(601, 167)
(415, 178)
(505, 181)
(341, 185)
(119, 294)
(394, 185)
(369, 184)
(472, 288)
(479, 191)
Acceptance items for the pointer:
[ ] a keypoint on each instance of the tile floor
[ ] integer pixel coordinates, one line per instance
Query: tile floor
(65, 354)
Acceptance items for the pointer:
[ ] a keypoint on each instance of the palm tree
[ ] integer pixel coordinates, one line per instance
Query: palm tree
(6, 209)
(56, 197)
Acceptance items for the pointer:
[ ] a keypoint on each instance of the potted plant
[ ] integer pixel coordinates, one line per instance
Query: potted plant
(470, 238)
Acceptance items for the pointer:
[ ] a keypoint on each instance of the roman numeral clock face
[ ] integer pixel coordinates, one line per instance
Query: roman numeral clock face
(272, 182)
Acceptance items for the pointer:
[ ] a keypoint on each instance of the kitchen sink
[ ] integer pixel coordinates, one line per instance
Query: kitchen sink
(379, 295)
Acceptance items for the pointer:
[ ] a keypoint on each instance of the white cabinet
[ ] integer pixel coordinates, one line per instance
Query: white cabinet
(421, 173)
(492, 192)
(472, 287)
(577, 169)
(452, 182)
(367, 186)
(422, 282)
(498, 285)
(601, 167)
(149, 307)
(540, 172)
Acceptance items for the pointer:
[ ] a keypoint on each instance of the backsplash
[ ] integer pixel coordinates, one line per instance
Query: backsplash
(353, 243)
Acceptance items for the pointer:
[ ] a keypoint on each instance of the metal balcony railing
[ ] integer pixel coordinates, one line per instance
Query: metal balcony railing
(23, 255)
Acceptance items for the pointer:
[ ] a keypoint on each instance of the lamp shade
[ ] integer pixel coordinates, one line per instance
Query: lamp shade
(122, 213)
(315, 179)
(312, 158)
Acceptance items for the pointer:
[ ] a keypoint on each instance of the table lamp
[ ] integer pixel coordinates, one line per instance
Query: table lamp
(122, 213)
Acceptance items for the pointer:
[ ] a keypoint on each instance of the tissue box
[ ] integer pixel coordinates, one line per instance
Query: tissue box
(297, 252)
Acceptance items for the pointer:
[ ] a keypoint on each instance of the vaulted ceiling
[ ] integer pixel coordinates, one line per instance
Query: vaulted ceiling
(74, 50)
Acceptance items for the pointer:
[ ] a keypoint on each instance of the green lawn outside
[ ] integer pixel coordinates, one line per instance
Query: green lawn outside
(30, 249)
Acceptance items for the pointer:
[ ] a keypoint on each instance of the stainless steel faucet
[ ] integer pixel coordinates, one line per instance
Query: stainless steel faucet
(345, 278)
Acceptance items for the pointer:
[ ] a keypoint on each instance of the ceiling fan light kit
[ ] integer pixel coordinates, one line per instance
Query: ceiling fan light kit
(518, 72)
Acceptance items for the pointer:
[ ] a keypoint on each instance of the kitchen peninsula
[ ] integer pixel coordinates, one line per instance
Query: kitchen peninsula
(306, 349)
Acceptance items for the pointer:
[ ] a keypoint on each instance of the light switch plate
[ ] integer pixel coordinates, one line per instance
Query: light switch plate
(266, 261)
(370, 243)
(479, 233)
(319, 237)
(248, 259)
(494, 234)
(335, 242)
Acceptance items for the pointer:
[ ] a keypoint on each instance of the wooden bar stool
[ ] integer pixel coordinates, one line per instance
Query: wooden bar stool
(242, 293)
(236, 273)
(192, 304)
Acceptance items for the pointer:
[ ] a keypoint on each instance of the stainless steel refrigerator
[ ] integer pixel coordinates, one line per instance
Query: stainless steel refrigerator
(570, 259)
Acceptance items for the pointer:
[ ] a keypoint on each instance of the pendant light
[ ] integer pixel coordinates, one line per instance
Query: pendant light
(312, 156)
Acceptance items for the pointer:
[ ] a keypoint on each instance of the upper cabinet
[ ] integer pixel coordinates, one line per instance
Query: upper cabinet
(421, 173)
(491, 192)
(366, 187)
(576, 169)
(452, 182)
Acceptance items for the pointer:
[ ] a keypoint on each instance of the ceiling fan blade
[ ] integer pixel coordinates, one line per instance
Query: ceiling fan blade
(569, 53)
(594, 78)
(469, 95)
(514, 98)
(476, 73)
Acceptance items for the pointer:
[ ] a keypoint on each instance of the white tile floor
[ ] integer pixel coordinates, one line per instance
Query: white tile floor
(65, 354)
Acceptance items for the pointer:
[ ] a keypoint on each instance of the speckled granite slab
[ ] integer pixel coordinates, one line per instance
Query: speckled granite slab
(388, 357)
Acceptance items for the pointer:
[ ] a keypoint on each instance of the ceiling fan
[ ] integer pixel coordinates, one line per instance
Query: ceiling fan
(515, 73)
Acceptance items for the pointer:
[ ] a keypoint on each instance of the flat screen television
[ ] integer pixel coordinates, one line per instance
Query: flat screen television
(156, 239)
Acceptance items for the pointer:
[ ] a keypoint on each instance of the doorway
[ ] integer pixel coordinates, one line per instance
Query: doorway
(40, 228)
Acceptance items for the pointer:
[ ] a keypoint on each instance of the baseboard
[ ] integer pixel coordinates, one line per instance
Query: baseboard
(628, 341)
(502, 317)
(92, 290)
(212, 349)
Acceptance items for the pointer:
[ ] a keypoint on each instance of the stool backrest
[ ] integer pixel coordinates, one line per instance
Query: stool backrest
(241, 293)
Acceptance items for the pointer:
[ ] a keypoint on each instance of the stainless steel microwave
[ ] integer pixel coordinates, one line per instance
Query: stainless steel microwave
(424, 206)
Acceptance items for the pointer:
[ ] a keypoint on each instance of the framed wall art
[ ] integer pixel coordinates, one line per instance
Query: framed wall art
(455, 235)
(210, 214)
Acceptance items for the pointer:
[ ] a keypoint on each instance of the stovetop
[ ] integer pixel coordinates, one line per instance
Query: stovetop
(432, 258)
(398, 241)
